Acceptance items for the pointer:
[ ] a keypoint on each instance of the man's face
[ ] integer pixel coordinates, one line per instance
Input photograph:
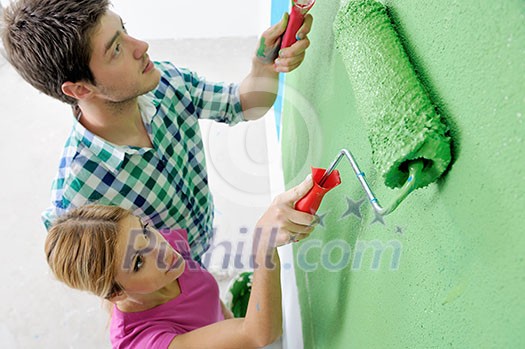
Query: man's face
(119, 62)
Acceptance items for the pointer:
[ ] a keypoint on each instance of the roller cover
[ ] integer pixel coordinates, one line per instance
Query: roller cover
(402, 123)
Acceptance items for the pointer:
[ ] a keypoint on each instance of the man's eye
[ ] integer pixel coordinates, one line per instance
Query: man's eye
(139, 262)
(117, 49)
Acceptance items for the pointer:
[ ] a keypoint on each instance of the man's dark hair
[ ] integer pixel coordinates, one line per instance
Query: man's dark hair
(48, 41)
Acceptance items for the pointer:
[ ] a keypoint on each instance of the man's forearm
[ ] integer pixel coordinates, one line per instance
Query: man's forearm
(259, 90)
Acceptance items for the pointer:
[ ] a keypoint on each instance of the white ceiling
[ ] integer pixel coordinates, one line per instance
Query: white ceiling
(161, 19)
(178, 19)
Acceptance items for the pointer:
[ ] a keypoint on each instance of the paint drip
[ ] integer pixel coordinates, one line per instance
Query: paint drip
(402, 123)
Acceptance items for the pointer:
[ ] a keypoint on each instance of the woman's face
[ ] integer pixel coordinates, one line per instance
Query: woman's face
(147, 261)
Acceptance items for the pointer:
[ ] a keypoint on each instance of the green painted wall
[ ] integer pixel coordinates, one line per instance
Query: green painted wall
(461, 275)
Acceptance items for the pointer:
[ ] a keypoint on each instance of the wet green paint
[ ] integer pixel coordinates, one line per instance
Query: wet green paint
(262, 49)
(402, 122)
(460, 278)
(265, 53)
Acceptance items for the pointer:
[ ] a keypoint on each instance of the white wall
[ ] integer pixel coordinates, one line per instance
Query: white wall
(40, 312)
(178, 19)
(160, 19)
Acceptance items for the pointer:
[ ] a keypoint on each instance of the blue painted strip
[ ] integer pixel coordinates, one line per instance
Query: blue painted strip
(278, 107)
(374, 200)
(279, 7)
(361, 174)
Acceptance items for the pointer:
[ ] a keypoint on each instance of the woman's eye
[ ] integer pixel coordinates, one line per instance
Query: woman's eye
(139, 262)
(146, 231)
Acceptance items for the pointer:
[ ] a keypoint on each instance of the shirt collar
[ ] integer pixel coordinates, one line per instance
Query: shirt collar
(113, 155)
(148, 106)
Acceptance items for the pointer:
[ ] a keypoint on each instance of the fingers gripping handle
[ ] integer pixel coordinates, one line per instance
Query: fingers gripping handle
(312, 200)
(299, 9)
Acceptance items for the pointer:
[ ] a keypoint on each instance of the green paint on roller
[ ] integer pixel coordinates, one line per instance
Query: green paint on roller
(402, 123)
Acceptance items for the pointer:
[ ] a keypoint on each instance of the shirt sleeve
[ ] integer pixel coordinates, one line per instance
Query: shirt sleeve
(48, 217)
(212, 100)
(58, 204)
(151, 337)
(79, 182)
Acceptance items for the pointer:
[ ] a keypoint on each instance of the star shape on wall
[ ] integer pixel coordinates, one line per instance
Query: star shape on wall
(354, 208)
(399, 230)
(321, 218)
(378, 218)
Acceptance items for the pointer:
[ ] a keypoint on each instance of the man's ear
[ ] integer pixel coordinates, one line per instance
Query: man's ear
(77, 90)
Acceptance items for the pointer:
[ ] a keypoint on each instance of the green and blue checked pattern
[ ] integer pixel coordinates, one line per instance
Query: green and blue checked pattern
(167, 184)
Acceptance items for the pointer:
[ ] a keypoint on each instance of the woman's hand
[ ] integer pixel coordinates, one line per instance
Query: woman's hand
(262, 325)
(281, 223)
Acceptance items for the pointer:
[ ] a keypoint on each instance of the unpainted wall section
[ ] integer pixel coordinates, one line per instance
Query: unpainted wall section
(459, 279)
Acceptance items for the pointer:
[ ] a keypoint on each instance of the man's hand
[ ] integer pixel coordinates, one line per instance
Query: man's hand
(258, 90)
(286, 59)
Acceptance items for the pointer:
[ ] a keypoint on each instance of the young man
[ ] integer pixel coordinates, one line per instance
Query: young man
(136, 141)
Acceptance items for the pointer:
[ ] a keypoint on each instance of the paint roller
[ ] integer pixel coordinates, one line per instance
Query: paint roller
(297, 13)
(410, 148)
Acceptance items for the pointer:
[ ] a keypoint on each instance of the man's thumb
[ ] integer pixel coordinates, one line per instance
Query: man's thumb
(279, 28)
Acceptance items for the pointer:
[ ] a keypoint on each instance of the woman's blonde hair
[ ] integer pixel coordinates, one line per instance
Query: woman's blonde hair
(81, 248)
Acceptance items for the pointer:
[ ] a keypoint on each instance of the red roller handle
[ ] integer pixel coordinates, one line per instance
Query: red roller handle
(312, 200)
(295, 21)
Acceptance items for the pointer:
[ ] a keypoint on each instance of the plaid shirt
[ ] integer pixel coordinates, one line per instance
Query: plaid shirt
(168, 184)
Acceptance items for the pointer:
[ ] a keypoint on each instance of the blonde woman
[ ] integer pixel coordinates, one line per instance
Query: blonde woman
(162, 298)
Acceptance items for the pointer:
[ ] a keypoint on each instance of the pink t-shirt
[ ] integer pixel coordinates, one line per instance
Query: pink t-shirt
(198, 305)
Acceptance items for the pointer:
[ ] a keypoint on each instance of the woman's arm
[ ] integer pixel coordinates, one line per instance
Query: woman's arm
(227, 313)
(262, 325)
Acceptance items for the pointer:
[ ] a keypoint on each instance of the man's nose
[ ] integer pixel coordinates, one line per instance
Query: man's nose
(139, 48)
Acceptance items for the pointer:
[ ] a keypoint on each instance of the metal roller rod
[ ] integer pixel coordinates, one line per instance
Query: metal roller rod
(415, 167)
